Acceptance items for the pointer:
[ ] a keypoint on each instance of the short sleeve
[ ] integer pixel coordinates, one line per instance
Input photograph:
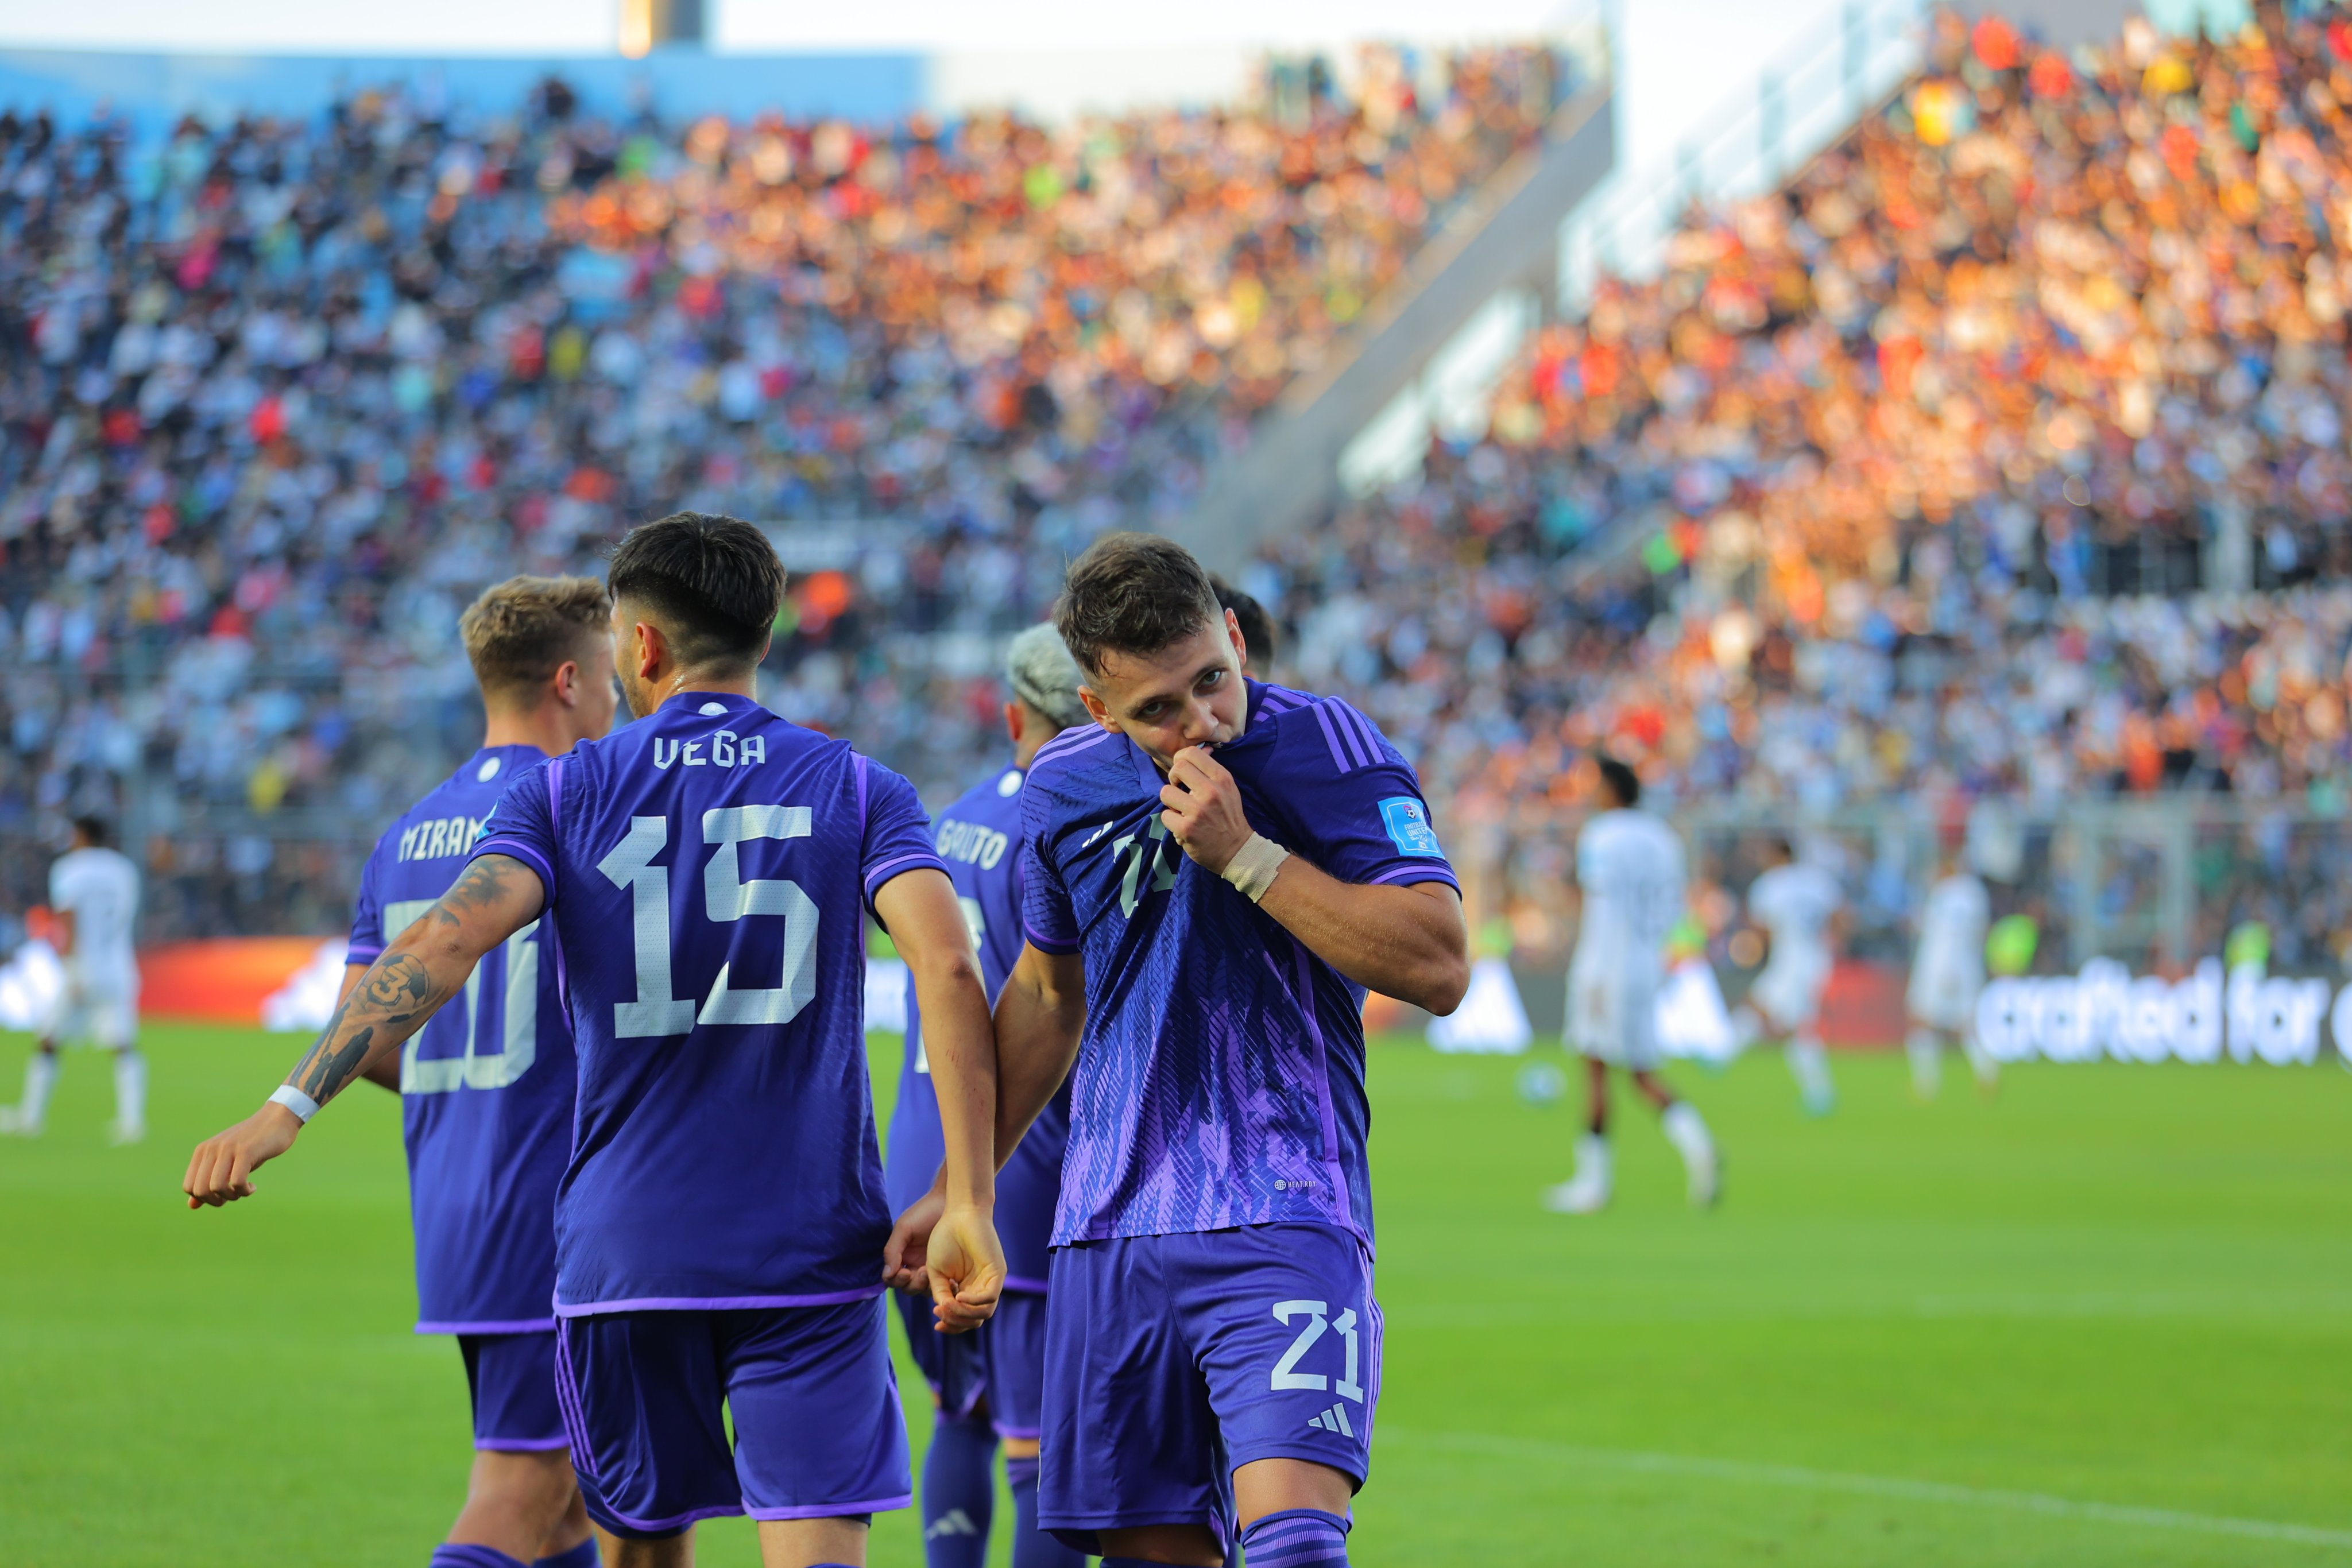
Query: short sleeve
(1356, 802)
(1048, 919)
(60, 886)
(367, 913)
(522, 824)
(898, 830)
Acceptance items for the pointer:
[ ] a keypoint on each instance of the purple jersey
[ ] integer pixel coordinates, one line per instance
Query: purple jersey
(485, 1086)
(980, 838)
(707, 869)
(1220, 1078)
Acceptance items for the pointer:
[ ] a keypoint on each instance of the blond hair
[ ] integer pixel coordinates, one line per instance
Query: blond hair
(521, 632)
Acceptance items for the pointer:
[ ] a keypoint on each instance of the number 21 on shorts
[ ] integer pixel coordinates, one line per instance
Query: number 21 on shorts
(1319, 1321)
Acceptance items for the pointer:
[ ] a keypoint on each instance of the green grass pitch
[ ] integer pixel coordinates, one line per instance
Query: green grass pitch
(2105, 1319)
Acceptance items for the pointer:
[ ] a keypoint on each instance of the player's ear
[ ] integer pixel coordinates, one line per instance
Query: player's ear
(1095, 709)
(1013, 723)
(1234, 635)
(567, 684)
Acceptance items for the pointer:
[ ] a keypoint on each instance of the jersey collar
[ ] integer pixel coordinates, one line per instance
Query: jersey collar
(1147, 772)
(697, 704)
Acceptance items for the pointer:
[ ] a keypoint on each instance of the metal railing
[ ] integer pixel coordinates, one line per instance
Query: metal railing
(2157, 883)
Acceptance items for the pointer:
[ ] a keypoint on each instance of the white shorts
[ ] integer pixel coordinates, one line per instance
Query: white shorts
(1613, 1014)
(1945, 998)
(95, 1010)
(1789, 992)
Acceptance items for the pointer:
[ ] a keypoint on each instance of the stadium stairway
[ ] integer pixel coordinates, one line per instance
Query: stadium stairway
(1506, 232)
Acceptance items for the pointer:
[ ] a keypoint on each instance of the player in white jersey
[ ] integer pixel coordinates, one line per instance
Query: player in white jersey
(1630, 866)
(94, 894)
(1948, 974)
(1802, 909)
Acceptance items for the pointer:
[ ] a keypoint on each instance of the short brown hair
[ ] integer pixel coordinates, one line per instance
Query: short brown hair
(715, 581)
(1132, 593)
(521, 632)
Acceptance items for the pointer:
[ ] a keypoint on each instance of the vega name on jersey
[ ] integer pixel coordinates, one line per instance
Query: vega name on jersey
(720, 749)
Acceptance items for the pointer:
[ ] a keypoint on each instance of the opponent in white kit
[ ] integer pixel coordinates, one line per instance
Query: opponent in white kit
(1947, 975)
(94, 894)
(1630, 866)
(1801, 908)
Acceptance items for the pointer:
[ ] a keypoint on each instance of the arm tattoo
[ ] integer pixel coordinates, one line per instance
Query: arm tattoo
(396, 991)
(486, 881)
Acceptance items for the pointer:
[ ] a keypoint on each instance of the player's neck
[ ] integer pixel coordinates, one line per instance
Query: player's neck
(544, 727)
(705, 682)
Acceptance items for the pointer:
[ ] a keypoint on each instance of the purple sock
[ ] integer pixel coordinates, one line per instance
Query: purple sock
(1032, 1547)
(581, 1556)
(959, 1494)
(1297, 1538)
(449, 1555)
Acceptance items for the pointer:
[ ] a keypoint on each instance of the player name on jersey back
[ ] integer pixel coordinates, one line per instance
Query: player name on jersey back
(438, 839)
(1220, 1078)
(707, 868)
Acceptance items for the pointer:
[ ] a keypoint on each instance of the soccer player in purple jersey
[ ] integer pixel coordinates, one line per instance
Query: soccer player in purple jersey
(989, 1383)
(701, 877)
(1214, 874)
(487, 1090)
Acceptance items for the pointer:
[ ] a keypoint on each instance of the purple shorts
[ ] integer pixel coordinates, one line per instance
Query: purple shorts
(1171, 1361)
(511, 1380)
(1002, 1361)
(819, 1433)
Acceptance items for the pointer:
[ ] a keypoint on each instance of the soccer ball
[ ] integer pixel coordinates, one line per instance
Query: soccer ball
(1542, 1085)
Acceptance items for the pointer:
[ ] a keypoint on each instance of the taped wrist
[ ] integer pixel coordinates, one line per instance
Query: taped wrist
(1253, 864)
(294, 1100)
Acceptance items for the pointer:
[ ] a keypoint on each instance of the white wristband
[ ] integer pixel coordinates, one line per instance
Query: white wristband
(294, 1100)
(1253, 864)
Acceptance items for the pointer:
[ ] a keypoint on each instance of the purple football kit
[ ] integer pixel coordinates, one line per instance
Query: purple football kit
(979, 839)
(1213, 1266)
(486, 1094)
(720, 1226)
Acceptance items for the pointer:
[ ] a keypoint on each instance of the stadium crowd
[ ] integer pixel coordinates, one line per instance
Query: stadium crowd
(1911, 466)
(277, 397)
(1896, 481)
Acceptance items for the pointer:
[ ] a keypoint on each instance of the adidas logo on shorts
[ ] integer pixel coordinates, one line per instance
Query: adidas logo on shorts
(1334, 1419)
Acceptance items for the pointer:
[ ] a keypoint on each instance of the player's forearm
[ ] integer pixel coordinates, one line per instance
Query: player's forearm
(394, 998)
(1410, 943)
(1040, 1016)
(959, 1041)
(64, 929)
(424, 965)
(383, 1073)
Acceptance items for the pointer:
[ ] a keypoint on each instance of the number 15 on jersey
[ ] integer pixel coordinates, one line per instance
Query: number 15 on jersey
(726, 901)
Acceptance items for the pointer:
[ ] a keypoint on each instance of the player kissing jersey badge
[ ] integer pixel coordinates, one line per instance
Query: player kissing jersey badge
(1407, 820)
